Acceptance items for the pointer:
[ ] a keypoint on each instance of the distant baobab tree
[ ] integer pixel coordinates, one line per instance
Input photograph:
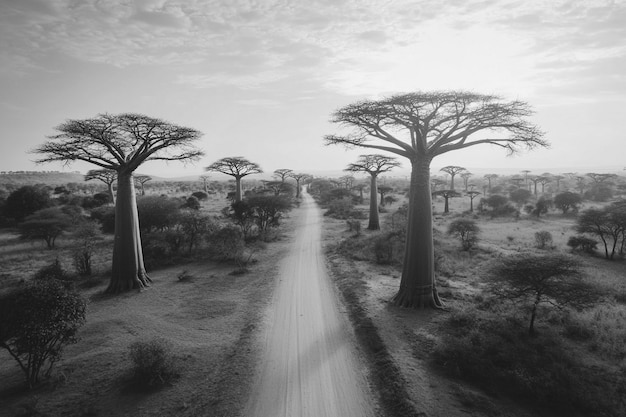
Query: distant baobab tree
(373, 165)
(466, 176)
(299, 177)
(472, 194)
(282, 173)
(122, 143)
(237, 167)
(490, 177)
(453, 171)
(447, 195)
(142, 180)
(421, 126)
(600, 178)
(107, 176)
(205, 182)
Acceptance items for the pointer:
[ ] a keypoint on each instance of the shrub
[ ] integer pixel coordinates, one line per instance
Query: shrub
(489, 351)
(105, 215)
(200, 195)
(86, 235)
(543, 239)
(567, 201)
(156, 212)
(227, 243)
(51, 272)
(582, 243)
(36, 322)
(388, 248)
(25, 201)
(466, 230)
(153, 363)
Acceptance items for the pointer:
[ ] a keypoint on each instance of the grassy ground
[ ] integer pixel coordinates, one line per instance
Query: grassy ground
(588, 345)
(207, 319)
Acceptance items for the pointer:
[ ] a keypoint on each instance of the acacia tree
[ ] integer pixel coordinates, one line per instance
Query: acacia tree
(373, 165)
(447, 195)
(420, 126)
(299, 177)
(453, 170)
(107, 176)
(122, 143)
(472, 195)
(237, 167)
(142, 180)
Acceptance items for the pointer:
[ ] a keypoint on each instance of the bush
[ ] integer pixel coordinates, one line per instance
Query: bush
(153, 363)
(543, 240)
(389, 248)
(25, 201)
(466, 230)
(582, 243)
(200, 195)
(227, 243)
(156, 212)
(36, 322)
(489, 351)
(86, 235)
(105, 215)
(52, 272)
(343, 209)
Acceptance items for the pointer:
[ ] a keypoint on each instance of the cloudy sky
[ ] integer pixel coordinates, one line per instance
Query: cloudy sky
(260, 78)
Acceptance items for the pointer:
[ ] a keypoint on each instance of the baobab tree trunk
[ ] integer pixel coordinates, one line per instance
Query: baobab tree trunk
(297, 188)
(111, 192)
(417, 285)
(128, 270)
(237, 188)
(374, 222)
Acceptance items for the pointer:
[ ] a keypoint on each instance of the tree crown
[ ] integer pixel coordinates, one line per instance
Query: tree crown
(236, 166)
(373, 164)
(427, 124)
(122, 141)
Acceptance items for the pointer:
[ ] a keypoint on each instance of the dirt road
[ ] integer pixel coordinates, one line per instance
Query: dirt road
(308, 367)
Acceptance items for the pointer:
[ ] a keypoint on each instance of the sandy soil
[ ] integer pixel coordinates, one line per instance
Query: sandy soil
(309, 366)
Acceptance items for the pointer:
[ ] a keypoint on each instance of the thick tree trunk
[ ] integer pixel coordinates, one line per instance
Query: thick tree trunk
(374, 222)
(446, 207)
(128, 271)
(417, 286)
(297, 189)
(237, 189)
(111, 193)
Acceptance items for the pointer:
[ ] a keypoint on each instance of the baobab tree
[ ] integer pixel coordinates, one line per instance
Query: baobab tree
(420, 126)
(205, 182)
(472, 195)
(122, 143)
(383, 190)
(237, 167)
(107, 176)
(466, 176)
(453, 171)
(373, 165)
(490, 177)
(142, 180)
(447, 195)
(282, 173)
(299, 177)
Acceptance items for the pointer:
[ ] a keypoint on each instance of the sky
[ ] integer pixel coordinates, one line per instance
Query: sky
(261, 78)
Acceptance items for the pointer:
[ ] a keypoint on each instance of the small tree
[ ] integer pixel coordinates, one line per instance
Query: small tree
(46, 224)
(299, 177)
(282, 173)
(194, 225)
(608, 223)
(237, 167)
(567, 201)
(520, 196)
(553, 279)
(543, 239)
(142, 180)
(85, 237)
(242, 214)
(268, 210)
(472, 195)
(36, 322)
(466, 230)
